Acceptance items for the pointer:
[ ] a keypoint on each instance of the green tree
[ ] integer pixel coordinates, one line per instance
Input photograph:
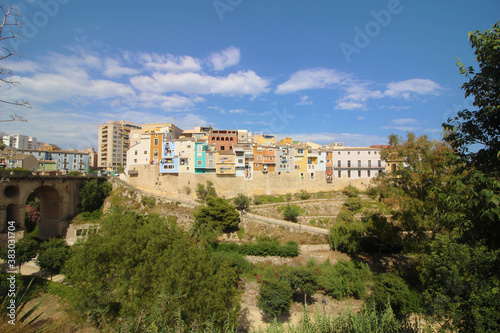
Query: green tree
(347, 236)
(218, 214)
(351, 191)
(423, 168)
(475, 134)
(202, 192)
(141, 264)
(291, 212)
(24, 251)
(391, 288)
(303, 279)
(93, 193)
(242, 202)
(52, 255)
(462, 285)
(275, 297)
(353, 204)
(74, 173)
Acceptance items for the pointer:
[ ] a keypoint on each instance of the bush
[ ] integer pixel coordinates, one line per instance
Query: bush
(241, 201)
(345, 216)
(391, 288)
(92, 216)
(16, 171)
(262, 248)
(344, 279)
(351, 191)
(148, 201)
(93, 193)
(353, 204)
(275, 297)
(290, 212)
(303, 195)
(74, 173)
(347, 237)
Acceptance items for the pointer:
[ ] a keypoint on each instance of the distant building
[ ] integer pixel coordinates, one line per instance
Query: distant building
(357, 162)
(16, 141)
(66, 160)
(28, 162)
(113, 144)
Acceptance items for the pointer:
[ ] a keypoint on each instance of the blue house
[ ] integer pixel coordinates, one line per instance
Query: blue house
(170, 161)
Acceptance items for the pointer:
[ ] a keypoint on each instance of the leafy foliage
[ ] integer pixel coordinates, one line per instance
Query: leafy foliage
(351, 191)
(391, 288)
(346, 236)
(139, 264)
(218, 214)
(480, 127)
(462, 285)
(16, 171)
(148, 201)
(93, 193)
(31, 218)
(25, 250)
(242, 202)
(344, 279)
(262, 248)
(203, 192)
(353, 204)
(52, 255)
(290, 212)
(303, 195)
(275, 297)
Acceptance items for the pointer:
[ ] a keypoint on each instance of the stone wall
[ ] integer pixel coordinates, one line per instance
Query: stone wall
(184, 185)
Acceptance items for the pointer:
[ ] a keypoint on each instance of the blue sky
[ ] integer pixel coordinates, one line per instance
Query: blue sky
(343, 71)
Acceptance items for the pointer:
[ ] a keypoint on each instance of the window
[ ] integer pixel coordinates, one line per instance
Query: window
(348, 153)
(348, 173)
(135, 160)
(369, 173)
(145, 152)
(312, 175)
(379, 163)
(199, 162)
(359, 173)
(359, 152)
(359, 163)
(369, 153)
(259, 148)
(259, 158)
(156, 142)
(222, 148)
(339, 163)
(135, 153)
(349, 163)
(240, 160)
(338, 153)
(297, 167)
(340, 174)
(369, 164)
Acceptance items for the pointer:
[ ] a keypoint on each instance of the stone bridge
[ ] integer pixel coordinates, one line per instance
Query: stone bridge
(59, 201)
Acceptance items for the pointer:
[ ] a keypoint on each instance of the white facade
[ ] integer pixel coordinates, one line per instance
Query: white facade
(139, 154)
(357, 162)
(185, 149)
(17, 141)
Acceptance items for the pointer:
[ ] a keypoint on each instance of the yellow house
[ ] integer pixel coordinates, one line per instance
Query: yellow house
(225, 163)
(300, 158)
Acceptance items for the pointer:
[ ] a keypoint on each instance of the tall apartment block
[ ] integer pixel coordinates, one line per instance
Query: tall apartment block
(113, 144)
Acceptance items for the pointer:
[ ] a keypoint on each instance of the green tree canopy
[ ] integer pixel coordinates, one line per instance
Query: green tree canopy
(218, 214)
(25, 250)
(93, 193)
(475, 134)
(241, 201)
(52, 255)
(145, 270)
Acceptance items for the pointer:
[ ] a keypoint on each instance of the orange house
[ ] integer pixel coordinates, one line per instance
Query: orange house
(264, 159)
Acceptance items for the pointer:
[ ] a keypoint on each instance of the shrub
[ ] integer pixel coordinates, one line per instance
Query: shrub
(345, 216)
(241, 201)
(304, 195)
(275, 297)
(16, 171)
(262, 248)
(353, 204)
(288, 197)
(351, 191)
(344, 279)
(148, 202)
(291, 212)
(391, 288)
(347, 237)
(93, 194)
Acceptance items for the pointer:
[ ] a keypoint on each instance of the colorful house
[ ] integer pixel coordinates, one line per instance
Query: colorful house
(225, 163)
(170, 161)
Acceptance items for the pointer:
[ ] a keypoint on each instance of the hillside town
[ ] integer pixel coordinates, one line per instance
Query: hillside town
(125, 147)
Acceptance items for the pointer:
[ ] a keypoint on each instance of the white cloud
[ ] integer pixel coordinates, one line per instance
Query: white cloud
(349, 139)
(114, 69)
(316, 78)
(404, 121)
(349, 105)
(408, 88)
(167, 103)
(240, 83)
(170, 63)
(226, 58)
(361, 118)
(304, 100)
